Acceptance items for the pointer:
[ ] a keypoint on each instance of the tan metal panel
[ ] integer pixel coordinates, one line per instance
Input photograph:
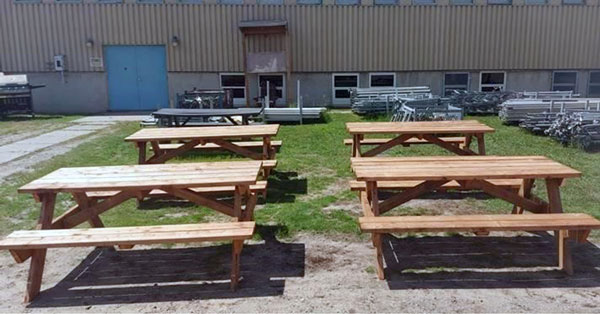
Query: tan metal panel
(325, 38)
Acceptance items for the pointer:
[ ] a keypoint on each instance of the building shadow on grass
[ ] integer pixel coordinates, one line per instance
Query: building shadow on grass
(486, 262)
(107, 276)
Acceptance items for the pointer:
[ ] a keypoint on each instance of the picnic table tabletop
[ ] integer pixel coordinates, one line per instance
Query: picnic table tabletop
(191, 133)
(460, 168)
(207, 112)
(421, 127)
(146, 177)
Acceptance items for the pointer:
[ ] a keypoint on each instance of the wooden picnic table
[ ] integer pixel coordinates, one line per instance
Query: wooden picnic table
(193, 138)
(473, 172)
(174, 117)
(134, 182)
(416, 132)
(470, 172)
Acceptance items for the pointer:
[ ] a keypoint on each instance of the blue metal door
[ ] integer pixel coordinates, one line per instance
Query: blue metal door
(137, 77)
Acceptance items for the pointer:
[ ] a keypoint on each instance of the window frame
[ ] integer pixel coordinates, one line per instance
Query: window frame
(499, 2)
(467, 86)
(243, 100)
(564, 84)
(342, 101)
(371, 74)
(590, 84)
(309, 2)
(502, 86)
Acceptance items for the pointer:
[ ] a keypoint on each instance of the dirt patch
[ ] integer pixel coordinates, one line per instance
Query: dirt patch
(351, 207)
(315, 273)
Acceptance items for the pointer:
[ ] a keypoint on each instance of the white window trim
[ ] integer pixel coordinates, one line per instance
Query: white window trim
(342, 101)
(239, 102)
(281, 101)
(563, 84)
(468, 81)
(383, 73)
(502, 86)
(590, 84)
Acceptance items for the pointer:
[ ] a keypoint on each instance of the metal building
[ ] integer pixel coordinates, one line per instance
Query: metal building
(101, 55)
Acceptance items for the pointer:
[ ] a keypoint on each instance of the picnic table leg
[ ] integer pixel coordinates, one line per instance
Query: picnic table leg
(38, 258)
(235, 263)
(467, 143)
(480, 144)
(377, 242)
(524, 191)
(141, 146)
(555, 205)
(268, 151)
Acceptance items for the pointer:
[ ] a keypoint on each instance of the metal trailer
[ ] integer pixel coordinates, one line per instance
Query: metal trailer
(15, 95)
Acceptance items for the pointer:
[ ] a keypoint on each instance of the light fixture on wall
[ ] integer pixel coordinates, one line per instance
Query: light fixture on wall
(175, 41)
(89, 43)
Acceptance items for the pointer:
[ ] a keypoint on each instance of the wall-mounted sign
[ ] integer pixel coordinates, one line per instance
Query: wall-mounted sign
(96, 62)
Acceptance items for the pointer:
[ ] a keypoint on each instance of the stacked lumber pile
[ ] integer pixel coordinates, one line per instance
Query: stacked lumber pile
(381, 100)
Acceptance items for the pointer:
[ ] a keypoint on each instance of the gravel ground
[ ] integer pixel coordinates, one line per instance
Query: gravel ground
(506, 273)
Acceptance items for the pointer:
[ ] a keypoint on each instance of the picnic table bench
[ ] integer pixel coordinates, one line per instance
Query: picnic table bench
(485, 173)
(189, 138)
(38, 241)
(132, 182)
(171, 117)
(440, 133)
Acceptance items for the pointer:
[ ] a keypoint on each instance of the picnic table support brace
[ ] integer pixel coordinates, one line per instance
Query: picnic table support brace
(525, 192)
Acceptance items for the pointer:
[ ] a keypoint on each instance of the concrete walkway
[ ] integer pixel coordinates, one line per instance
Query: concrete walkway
(83, 126)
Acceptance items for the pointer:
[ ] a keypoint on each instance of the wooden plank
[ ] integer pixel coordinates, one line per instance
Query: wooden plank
(459, 168)
(480, 143)
(510, 196)
(208, 146)
(146, 177)
(36, 239)
(235, 263)
(427, 127)
(565, 261)
(192, 133)
(525, 192)
(475, 223)
(401, 185)
(259, 187)
(411, 141)
(161, 156)
(239, 150)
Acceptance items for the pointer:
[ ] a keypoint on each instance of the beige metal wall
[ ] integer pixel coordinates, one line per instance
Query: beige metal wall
(325, 38)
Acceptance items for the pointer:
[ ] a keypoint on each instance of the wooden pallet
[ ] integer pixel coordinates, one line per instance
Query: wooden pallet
(40, 240)
(576, 226)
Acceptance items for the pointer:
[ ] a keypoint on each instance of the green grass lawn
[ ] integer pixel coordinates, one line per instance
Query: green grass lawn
(312, 174)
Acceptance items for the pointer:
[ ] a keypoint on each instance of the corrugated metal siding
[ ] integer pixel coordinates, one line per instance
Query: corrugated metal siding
(325, 38)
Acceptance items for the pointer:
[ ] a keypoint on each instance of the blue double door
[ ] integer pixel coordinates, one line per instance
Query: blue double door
(137, 77)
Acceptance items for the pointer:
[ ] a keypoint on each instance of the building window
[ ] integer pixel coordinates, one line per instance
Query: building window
(386, 2)
(109, 1)
(27, 1)
(236, 83)
(536, 1)
(189, 1)
(270, 1)
(455, 81)
(347, 2)
(342, 83)
(231, 1)
(420, 2)
(67, 1)
(564, 81)
(573, 1)
(500, 2)
(594, 84)
(308, 1)
(492, 81)
(382, 79)
(461, 2)
(149, 1)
